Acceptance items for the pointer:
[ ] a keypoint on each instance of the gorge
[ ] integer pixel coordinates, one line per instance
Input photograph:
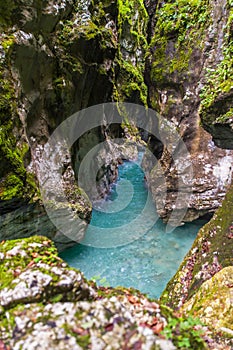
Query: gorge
(118, 251)
(61, 57)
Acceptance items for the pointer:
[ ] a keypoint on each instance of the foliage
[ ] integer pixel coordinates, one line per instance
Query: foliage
(185, 21)
(219, 79)
(132, 26)
(6, 9)
(15, 182)
(225, 118)
(184, 332)
(102, 281)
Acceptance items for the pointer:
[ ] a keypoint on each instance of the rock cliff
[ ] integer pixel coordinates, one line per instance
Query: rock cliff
(56, 59)
(189, 74)
(59, 57)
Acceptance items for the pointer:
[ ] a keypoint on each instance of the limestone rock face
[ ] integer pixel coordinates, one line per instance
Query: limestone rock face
(187, 86)
(213, 301)
(57, 58)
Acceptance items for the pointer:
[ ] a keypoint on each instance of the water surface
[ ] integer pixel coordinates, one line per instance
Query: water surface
(138, 252)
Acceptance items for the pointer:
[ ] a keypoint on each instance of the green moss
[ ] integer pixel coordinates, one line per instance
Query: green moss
(92, 33)
(181, 330)
(181, 22)
(13, 187)
(36, 247)
(7, 42)
(130, 81)
(132, 23)
(6, 9)
(219, 80)
(128, 22)
(15, 181)
(213, 240)
(95, 43)
(225, 118)
(212, 303)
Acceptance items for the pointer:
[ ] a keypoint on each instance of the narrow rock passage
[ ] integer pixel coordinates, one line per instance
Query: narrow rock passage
(121, 249)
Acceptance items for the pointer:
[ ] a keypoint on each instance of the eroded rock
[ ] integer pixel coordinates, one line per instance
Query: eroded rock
(188, 58)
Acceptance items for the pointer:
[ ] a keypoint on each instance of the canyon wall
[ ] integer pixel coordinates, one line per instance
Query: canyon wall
(58, 58)
(189, 75)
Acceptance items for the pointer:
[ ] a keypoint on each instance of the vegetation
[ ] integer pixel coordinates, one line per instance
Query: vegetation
(212, 242)
(6, 9)
(219, 80)
(185, 332)
(212, 303)
(185, 21)
(36, 252)
(224, 118)
(15, 181)
(132, 25)
(101, 281)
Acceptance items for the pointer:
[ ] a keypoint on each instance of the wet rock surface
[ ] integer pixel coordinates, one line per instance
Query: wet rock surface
(22, 219)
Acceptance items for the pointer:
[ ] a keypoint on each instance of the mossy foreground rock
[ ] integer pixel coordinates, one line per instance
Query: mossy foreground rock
(47, 305)
(210, 253)
(213, 302)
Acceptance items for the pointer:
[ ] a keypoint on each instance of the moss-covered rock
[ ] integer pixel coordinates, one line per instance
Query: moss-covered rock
(191, 41)
(46, 304)
(213, 302)
(178, 32)
(14, 180)
(55, 60)
(217, 93)
(210, 253)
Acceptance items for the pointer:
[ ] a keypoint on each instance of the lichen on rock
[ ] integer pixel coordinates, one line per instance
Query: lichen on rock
(213, 302)
(209, 254)
(44, 303)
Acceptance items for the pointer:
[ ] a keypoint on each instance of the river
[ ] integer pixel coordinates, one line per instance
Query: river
(123, 247)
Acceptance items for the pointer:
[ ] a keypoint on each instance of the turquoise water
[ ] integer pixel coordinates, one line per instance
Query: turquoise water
(126, 243)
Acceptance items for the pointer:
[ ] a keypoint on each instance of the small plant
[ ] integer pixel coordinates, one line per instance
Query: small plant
(102, 281)
(185, 333)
